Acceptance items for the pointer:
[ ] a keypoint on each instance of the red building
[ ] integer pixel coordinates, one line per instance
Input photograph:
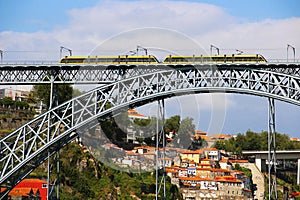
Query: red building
(30, 187)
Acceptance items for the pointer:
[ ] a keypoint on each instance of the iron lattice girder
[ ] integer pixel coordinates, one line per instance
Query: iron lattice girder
(60, 124)
(94, 74)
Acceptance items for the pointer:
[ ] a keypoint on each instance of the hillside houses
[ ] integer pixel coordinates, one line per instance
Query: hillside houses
(200, 174)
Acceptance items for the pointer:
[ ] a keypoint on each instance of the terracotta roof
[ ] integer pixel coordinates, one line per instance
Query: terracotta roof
(199, 132)
(220, 170)
(239, 161)
(21, 192)
(199, 151)
(133, 113)
(194, 178)
(204, 169)
(33, 180)
(246, 189)
(205, 137)
(220, 136)
(172, 170)
(227, 179)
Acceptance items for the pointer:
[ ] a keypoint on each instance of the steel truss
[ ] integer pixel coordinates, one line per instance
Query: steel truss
(97, 74)
(272, 186)
(160, 154)
(28, 146)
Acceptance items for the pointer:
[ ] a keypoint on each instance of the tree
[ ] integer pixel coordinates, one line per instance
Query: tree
(253, 141)
(185, 134)
(7, 101)
(65, 93)
(172, 124)
(198, 143)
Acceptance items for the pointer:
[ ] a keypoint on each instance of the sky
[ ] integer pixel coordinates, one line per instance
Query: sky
(35, 30)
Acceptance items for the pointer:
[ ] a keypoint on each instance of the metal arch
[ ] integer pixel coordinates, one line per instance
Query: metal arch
(25, 148)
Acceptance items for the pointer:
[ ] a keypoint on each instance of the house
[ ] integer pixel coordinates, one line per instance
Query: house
(192, 155)
(213, 154)
(15, 95)
(32, 187)
(24, 193)
(132, 134)
(230, 186)
(220, 136)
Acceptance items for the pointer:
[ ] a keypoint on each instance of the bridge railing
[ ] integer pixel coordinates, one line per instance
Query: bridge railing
(29, 62)
(55, 62)
(284, 61)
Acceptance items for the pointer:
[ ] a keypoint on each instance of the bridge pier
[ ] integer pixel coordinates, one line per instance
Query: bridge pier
(261, 164)
(298, 172)
(258, 163)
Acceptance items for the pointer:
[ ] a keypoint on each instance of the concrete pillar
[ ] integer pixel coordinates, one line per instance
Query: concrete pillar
(258, 163)
(298, 172)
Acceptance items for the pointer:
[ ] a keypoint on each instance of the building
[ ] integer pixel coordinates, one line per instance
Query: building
(30, 188)
(24, 193)
(15, 95)
(192, 155)
(132, 134)
(220, 136)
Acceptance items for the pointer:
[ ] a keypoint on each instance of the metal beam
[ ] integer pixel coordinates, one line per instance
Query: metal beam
(272, 172)
(99, 74)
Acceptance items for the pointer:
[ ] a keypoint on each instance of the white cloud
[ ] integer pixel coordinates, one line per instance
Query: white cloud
(122, 22)
(269, 37)
(207, 24)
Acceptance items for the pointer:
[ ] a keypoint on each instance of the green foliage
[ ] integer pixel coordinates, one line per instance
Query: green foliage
(96, 181)
(186, 133)
(64, 92)
(243, 169)
(198, 144)
(7, 101)
(21, 104)
(255, 141)
(172, 124)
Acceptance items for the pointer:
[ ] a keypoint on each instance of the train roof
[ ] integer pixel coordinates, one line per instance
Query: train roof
(102, 56)
(211, 56)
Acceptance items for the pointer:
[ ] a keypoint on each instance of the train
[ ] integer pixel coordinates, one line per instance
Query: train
(170, 60)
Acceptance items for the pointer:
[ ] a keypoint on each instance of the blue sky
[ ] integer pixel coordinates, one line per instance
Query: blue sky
(37, 15)
(35, 29)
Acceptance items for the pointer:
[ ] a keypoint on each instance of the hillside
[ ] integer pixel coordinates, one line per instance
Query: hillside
(82, 177)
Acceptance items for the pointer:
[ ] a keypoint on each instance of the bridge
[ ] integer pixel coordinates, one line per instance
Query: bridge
(262, 156)
(28, 146)
(30, 73)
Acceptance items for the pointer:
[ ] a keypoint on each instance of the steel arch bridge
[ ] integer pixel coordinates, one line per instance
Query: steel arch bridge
(45, 73)
(28, 146)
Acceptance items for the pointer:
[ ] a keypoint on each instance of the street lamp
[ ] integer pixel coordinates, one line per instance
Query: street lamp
(211, 47)
(239, 52)
(64, 48)
(287, 52)
(132, 52)
(140, 47)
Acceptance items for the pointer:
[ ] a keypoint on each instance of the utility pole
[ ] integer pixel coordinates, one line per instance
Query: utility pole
(214, 47)
(287, 52)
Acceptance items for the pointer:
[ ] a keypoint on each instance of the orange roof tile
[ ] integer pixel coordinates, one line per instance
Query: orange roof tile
(194, 178)
(20, 192)
(33, 180)
(199, 151)
(239, 161)
(227, 179)
(172, 170)
(220, 170)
